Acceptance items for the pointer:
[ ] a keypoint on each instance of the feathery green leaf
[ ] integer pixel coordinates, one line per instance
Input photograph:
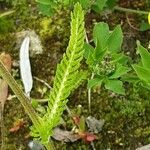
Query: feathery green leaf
(66, 75)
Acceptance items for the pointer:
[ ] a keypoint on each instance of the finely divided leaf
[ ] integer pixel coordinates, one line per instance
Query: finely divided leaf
(66, 73)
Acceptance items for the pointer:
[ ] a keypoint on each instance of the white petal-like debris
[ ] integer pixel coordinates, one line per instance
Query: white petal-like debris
(25, 67)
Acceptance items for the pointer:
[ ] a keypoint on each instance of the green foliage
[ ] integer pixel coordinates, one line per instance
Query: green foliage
(144, 26)
(115, 85)
(111, 3)
(66, 78)
(48, 7)
(142, 69)
(105, 60)
(13, 3)
(6, 25)
(99, 5)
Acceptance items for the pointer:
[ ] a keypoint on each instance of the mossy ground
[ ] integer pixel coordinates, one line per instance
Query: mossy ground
(126, 117)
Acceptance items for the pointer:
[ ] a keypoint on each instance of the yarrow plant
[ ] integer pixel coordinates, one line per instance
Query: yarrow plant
(66, 79)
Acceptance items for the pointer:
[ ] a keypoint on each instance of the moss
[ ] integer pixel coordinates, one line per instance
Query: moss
(6, 25)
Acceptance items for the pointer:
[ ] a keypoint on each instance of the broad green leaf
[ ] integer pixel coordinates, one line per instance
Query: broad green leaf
(146, 85)
(95, 82)
(131, 78)
(145, 56)
(115, 86)
(142, 73)
(99, 5)
(100, 35)
(144, 26)
(46, 7)
(85, 3)
(115, 39)
(89, 50)
(120, 70)
(88, 53)
(111, 3)
(98, 53)
(120, 58)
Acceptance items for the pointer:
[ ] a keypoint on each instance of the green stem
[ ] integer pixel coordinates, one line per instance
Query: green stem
(25, 101)
(6, 13)
(89, 94)
(20, 95)
(131, 10)
(50, 146)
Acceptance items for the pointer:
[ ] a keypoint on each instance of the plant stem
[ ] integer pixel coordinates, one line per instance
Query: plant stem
(2, 127)
(50, 146)
(20, 95)
(89, 94)
(131, 10)
(24, 100)
(6, 13)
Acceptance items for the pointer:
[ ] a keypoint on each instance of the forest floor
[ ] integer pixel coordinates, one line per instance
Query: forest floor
(126, 118)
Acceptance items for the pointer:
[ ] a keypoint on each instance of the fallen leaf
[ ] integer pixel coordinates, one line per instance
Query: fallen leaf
(94, 125)
(76, 119)
(66, 136)
(17, 125)
(6, 59)
(80, 122)
(87, 137)
(90, 137)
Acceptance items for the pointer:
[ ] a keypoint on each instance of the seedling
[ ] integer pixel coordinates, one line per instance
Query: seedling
(65, 81)
(106, 61)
